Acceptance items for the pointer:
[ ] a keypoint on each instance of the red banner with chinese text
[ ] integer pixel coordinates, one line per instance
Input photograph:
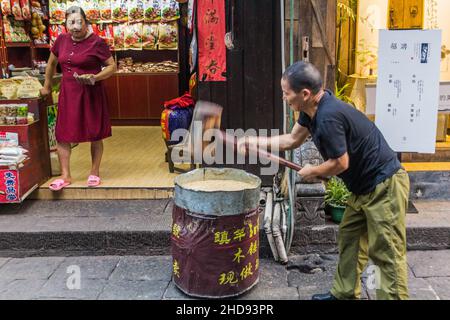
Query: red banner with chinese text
(9, 186)
(211, 44)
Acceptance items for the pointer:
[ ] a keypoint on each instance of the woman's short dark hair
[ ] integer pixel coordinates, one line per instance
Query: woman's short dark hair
(76, 9)
(303, 75)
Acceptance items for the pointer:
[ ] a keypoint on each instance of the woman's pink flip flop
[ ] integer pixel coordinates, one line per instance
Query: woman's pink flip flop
(93, 181)
(58, 184)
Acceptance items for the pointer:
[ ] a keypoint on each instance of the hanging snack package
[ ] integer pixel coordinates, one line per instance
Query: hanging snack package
(150, 36)
(26, 10)
(36, 8)
(100, 30)
(170, 10)
(152, 10)
(135, 11)
(16, 10)
(95, 29)
(119, 37)
(39, 7)
(119, 10)
(6, 8)
(54, 31)
(72, 3)
(107, 34)
(168, 36)
(133, 36)
(92, 10)
(57, 10)
(105, 11)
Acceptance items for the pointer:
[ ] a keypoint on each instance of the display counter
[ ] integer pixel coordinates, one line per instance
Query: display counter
(18, 181)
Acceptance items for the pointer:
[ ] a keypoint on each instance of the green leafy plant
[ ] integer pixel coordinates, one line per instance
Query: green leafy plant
(341, 95)
(366, 57)
(336, 193)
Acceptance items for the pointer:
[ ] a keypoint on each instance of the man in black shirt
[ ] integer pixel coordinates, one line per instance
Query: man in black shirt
(355, 150)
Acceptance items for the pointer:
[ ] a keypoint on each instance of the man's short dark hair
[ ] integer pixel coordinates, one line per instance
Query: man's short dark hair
(303, 75)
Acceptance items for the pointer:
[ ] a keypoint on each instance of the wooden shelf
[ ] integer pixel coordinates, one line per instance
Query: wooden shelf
(42, 46)
(146, 73)
(17, 44)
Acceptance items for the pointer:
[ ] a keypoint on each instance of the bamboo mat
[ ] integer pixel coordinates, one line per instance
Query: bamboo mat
(134, 157)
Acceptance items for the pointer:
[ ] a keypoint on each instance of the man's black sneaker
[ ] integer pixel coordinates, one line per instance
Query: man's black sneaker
(325, 296)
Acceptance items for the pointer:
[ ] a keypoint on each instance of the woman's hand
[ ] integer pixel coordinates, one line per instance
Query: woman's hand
(86, 79)
(45, 92)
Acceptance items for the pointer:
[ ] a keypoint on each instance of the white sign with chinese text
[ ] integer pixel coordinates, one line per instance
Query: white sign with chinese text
(407, 95)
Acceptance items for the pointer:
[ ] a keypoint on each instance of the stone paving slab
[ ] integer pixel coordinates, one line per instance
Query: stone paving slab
(430, 263)
(173, 293)
(30, 268)
(3, 261)
(57, 288)
(441, 287)
(134, 290)
(98, 268)
(143, 269)
(22, 289)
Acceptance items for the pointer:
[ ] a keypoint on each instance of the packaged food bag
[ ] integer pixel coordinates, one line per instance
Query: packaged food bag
(6, 8)
(119, 37)
(105, 11)
(152, 10)
(16, 10)
(170, 10)
(26, 10)
(168, 36)
(133, 36)
(150, 36)
(135, 11)
(92, 10)
(119, 10)
(57, 10)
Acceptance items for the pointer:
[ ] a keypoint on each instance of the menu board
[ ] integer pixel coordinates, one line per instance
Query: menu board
(407, 96)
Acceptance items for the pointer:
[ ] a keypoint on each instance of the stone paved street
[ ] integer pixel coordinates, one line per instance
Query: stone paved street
(142, 278)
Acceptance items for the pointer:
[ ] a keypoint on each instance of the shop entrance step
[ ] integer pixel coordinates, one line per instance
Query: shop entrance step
(143, 227)
(102, 193)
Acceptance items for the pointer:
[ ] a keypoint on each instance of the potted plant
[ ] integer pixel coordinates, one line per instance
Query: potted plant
(336, 196)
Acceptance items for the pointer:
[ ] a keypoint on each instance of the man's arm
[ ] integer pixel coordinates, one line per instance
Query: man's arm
(332, 167)
(284, 142)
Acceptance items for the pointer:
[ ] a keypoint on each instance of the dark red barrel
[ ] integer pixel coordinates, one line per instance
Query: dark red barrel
(215, 234)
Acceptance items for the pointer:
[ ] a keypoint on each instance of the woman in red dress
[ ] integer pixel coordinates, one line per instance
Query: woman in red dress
(85, 61)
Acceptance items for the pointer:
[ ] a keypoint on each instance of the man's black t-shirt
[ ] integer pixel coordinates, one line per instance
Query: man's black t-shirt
(338, 128)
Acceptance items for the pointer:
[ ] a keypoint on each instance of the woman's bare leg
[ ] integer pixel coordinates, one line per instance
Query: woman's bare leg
(96, 154)
(64, 151)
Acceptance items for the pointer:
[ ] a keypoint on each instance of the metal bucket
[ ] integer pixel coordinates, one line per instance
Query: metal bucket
(215, 235)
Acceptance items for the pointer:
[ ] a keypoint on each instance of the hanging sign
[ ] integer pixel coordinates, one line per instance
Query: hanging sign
(211, 44)
(407, 96)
